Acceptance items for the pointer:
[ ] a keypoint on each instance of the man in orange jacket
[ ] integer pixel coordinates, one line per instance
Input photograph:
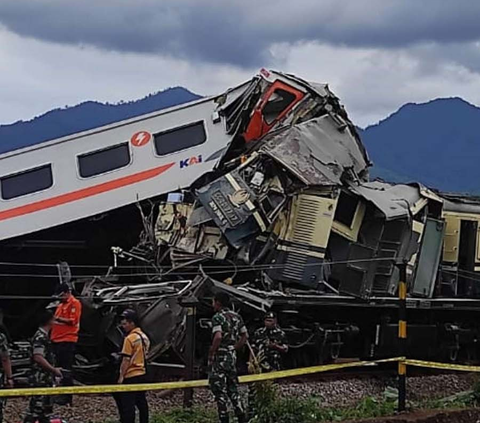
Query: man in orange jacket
(64, 335)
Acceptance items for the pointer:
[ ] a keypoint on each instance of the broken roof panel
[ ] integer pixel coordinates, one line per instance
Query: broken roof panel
(317, 151)
(394, 201)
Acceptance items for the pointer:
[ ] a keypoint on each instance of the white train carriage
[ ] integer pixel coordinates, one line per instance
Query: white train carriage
(99, 170)
(109, 167)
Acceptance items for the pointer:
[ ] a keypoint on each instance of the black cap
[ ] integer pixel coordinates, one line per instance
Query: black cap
(131, 315)
(63, 288)
(270, 315)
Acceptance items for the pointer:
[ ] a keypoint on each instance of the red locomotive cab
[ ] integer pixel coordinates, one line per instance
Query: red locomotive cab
(277, 102)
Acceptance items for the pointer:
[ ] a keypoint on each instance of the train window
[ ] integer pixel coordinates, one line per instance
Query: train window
(105, 160)
(27, 182)
(277, 103)
(346, 209)
(180, 138)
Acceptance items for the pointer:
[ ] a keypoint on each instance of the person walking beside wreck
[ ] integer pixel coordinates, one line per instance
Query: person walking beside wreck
(133, 369)
(229, 335)
(42, 371)
(64, 336)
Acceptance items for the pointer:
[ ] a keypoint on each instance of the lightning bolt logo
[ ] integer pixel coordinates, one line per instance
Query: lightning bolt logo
(140, 138)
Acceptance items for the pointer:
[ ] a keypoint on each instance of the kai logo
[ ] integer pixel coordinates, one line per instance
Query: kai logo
(191, 161)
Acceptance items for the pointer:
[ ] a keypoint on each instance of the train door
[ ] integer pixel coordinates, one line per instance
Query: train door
(466, 258)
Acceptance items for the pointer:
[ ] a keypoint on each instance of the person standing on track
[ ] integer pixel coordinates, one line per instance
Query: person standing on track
(64, 336)
(269, 344)
(133, 369)
(229, 335)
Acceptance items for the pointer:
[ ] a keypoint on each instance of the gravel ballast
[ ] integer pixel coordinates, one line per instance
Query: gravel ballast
(340, 393)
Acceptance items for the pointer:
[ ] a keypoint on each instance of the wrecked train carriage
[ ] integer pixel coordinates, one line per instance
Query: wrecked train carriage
(297, 207)
(291, 219)
(226, 215)
(64, 200)
(461, 253)
(321, 248)
(276, 206)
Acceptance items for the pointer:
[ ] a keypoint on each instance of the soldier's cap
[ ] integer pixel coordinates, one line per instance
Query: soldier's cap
(270, 315)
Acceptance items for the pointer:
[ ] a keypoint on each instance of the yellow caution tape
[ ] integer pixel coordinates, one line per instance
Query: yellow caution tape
(443, 366)
(104, 389)
(312, 370)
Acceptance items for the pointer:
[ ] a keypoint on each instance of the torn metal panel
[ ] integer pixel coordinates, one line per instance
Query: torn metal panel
(333, 107)
(394, 201)
(198, 216)
(127, 294)
(172, 219)
(155, 303)
(428, 259)
(186, 231)
(237, 108)
(358, 277)
(316, 152)
(242, 297)
(462, 205)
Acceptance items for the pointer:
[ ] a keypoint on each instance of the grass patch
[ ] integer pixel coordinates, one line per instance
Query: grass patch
(179, 415)
(271, 408)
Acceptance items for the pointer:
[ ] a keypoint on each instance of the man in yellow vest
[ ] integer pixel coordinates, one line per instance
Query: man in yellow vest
(133, 369)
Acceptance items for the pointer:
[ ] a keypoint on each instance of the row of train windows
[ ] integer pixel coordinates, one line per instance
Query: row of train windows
(101, 161)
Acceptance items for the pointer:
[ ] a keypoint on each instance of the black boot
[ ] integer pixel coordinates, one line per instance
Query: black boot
(224, 419)
(242, 418)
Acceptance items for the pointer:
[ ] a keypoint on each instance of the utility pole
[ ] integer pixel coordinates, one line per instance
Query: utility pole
(402, 337)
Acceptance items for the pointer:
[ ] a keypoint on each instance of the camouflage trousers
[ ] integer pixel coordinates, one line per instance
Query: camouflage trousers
(39, 407)
(223, 382)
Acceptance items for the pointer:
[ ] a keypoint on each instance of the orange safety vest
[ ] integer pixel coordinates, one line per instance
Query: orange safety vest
(62, 332)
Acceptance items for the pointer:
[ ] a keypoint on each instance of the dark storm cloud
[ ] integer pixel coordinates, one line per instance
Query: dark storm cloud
(240, 32)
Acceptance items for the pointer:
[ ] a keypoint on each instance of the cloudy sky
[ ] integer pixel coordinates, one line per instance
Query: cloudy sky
(375, 54)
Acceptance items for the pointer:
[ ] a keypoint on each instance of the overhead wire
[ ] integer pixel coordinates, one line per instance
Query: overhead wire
(53, 298)
(221, 269)
(238, 266)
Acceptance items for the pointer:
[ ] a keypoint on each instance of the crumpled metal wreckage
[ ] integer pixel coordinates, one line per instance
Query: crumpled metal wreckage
(288, 217)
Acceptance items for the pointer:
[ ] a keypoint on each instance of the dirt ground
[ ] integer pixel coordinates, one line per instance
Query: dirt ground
(459, 416)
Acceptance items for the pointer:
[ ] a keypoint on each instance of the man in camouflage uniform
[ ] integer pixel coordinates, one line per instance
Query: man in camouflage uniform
(43, 371)
(229, 335)
(268, 345)
(6, 378)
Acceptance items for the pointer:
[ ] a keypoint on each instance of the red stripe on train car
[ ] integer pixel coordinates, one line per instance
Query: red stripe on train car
(83, 193)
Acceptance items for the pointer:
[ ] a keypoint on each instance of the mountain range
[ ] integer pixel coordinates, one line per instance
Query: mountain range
(88, 115)
(436, 143)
